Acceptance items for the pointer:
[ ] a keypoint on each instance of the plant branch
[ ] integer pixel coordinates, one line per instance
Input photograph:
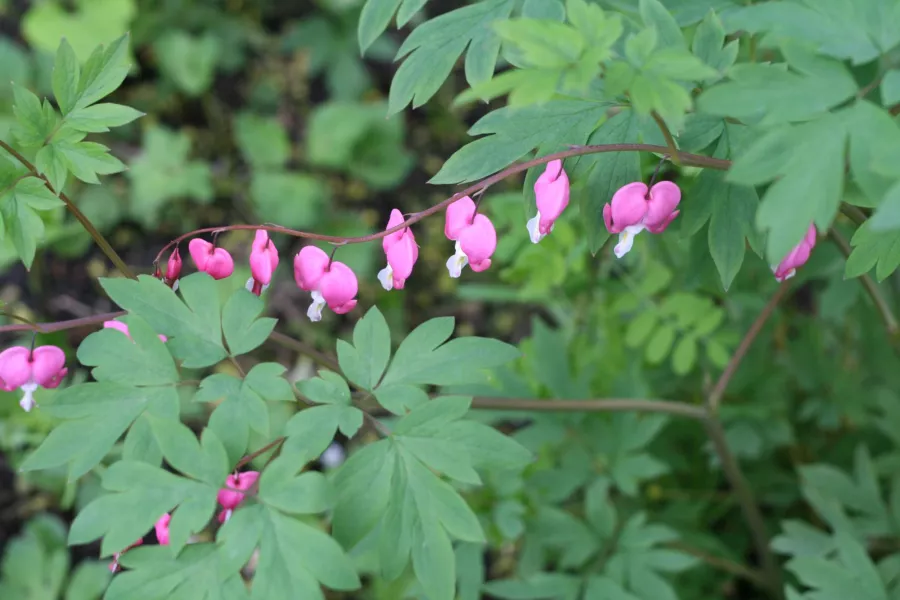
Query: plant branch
(723, 564)
(305, 349)
(881, 303)
(715, 397)
(681, 409)
(76, 212)
(250, 457)
(685, 158)
(854, 213)
(61, 325)
(670, 141)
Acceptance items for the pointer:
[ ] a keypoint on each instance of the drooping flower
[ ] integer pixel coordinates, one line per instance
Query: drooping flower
(474, 234)
(263, 262)
(797, 257)
(329, 282)
(211, 259)
(162, 529)
(634, 208)
(28, 369)
(120, 326)
(173, 269)
(402, 253)
(114, 565)
(551, 192)
(231, 496)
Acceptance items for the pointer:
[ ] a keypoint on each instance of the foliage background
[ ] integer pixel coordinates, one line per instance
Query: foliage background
(264, 112)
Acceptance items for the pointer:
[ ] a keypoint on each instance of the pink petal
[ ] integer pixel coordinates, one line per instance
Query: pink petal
(200, 250)
(628, 206)
(118, 326)
(402, 256)
(458, 217)
(660, 227)
(664, 197)
(173, 267)
(162, 529)
(46, 364)
(263, 258)
(479, 241)
(552, 194)
(15, 366)
(607, 218)
(339, 287)
(811, 236)
(309, 266)
(220, 264)
(392, 238)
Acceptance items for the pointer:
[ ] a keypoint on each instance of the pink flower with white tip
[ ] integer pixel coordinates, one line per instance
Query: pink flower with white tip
(211, 259)
(329, 282)
(173, 269)
(474, 234)
(29, 369)
(263, 262)
(797, 257)
(551, 192)
(231, 496)
(402, 253)
(162, 529)
(634, 208)
(120, 326)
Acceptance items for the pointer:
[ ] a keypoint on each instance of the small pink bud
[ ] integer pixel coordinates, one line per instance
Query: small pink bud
(402, 252)
(263, 262)
(634, 208)
(309, 266)
(235, 485)
(797, 257)
(120, 326)
(458, 216)
(551, 191)
(162, 529)
(217, 262)
(28, 369)
(173, 267)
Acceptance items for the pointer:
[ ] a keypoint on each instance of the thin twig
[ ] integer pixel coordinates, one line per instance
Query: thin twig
(62, 325)
(594, 405)
(718, 391)
(854, 213)
(305, 349)
(76, 212)
(685, 158)
(670, 141)
(881, 303)
(250, 457)
(723, 564)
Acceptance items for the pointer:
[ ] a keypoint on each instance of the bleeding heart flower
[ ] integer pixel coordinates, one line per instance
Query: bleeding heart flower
(162, 529)
(329, 282)
(634, 208)
(797, 257)
(474, 234)
(551, 192)
(263, 262)
(120, 326)
(28, 369)
(173, 269)
(231, 496)
(402, 252)
(210, 259)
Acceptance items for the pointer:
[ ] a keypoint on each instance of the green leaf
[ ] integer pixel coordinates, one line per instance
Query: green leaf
(731, 222)
(608, 172)
(262, 140)
(660, 344)
(327, 388)
(709, 45)
(188, 60)
(86, 160)
(193, 326)
(373, 20)
(49, 162)
(306, 493)
(243, 330)
(873, 248)
(399, 398)
(141, 360)
(513, 132)
(541, 9)
(100, 117)
(314, 427)
(432, 49)
(685, 355)
(887, 215)
(487, 447)
(541, 43)
(777, 95)
(103, 73)
(655, 15)
(372, 341)
(423, 359)
(890, 88)
(66, 73)
(19, 201)
(35, 121)
(267, 380)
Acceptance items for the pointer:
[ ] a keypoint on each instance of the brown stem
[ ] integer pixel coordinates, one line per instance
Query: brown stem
(249, 458)
(718, 391)
(723, 564)
(670, 141)
(686, 158)
(854, 213)
(602, 405)
(76, 212)
(881, 303)
(62, 325)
